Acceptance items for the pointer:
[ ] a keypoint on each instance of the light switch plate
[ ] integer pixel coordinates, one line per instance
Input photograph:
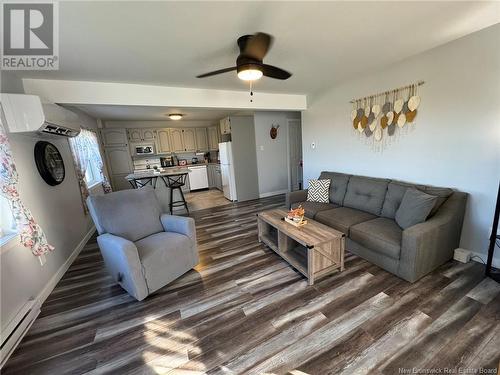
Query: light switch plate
(462, 255)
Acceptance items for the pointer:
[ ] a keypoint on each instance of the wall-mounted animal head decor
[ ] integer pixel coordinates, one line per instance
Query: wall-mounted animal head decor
(274, 131)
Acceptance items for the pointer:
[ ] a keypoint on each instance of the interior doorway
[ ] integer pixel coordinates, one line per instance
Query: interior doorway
(294, 155)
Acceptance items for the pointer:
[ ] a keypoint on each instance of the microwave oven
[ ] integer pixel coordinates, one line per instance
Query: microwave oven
(144, 149)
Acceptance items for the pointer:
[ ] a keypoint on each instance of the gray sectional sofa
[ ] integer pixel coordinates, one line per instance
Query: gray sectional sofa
(364, 209)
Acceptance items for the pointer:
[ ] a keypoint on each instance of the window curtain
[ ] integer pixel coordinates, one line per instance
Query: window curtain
(85, 150)
(31, 234)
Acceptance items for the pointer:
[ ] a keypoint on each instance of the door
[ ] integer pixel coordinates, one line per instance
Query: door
(148, 134)
(189, 138)
(295, 155)
(176, 140)
(119, 160)
(134, 135)
(201, 139)
(114, 137)
(213, 138)
(163, 141)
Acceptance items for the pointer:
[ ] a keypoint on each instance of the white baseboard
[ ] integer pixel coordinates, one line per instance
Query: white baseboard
(42, 296)
(271, 193)
(484, 257)
(31, 312)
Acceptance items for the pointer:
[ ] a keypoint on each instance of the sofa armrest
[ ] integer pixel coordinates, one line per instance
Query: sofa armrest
(295, 197)
(427, 245)
(179, 224)
(123, 262)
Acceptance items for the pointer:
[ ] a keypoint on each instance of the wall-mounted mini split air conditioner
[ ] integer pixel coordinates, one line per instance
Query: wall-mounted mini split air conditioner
(27, 114)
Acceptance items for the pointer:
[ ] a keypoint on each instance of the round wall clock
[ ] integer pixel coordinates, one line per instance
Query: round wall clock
(49, 163)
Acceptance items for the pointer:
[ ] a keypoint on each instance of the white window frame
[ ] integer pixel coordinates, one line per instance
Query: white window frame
(93, 175)
(8, 229)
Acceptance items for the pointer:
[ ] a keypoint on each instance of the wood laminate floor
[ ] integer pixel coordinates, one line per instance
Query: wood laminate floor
(244, 310)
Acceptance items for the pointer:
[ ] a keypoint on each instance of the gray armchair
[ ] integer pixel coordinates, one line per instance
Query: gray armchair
(142, 248)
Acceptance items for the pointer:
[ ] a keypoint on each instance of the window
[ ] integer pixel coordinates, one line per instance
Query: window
(85, 148)
(7, 223)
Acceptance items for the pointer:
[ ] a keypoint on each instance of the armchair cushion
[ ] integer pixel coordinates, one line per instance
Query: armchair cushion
(164, 257)
(131, 214)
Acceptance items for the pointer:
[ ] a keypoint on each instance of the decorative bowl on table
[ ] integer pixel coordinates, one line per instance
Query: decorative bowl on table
(296, 216)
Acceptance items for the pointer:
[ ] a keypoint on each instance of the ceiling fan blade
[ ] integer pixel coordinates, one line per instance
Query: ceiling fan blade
(275, 72)
(258, 45)
(215, 72)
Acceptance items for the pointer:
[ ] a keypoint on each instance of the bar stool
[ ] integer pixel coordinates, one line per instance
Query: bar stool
(176, 181)
(138, 183)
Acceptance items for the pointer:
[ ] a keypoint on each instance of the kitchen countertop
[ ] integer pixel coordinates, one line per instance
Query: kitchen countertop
(163, 172)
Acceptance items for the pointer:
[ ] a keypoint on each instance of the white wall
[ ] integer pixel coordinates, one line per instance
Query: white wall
(57, 209)
(456, 142)
(272, 154)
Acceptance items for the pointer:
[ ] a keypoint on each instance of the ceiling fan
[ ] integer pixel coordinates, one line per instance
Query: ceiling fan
(249, 65)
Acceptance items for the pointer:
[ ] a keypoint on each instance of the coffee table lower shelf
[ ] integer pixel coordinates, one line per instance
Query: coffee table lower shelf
(314, 259)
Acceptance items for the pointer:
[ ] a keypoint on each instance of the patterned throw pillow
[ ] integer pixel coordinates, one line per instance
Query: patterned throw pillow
(318, 191)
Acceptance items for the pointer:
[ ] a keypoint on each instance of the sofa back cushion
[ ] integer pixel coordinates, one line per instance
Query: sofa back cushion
(366, 194)
(131, 214)
(414, 208)
(397, 189)
(338, 185)
(395, 192)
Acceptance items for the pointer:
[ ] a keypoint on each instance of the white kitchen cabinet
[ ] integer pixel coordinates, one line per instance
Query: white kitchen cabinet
(201, 139)
(119, 160)
(225, 125)
(189, 140)
(213, 138)
(163, 142)
(118, 182)
(140, 135)
(176, 140)
(114, 137)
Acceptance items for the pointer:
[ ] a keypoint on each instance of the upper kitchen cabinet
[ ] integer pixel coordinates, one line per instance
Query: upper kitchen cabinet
(119, 161)
(140, 135)
(201, 139)
(114, 137)
(189, 139)
(225, 125)
(176, 140)
(213, 138)
(163, 141)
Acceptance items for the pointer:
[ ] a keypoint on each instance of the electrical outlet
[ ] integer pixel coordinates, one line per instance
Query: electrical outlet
(462, 255)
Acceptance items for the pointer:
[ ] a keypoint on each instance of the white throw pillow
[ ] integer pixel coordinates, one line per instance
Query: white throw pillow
(319, 191)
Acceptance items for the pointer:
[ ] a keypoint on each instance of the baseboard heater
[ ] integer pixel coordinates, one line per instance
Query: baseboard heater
(17, 328)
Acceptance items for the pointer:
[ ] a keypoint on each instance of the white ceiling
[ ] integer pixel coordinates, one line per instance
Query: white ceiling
(321, 43)
(151, 113)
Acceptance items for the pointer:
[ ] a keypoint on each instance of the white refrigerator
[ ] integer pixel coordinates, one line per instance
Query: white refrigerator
(227, 170)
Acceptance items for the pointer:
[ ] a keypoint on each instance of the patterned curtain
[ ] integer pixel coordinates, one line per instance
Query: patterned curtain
(32, 236)
(85, 150)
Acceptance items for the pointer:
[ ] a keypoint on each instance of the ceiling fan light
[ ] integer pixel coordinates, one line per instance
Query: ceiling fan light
(175, 116)
(251, 74)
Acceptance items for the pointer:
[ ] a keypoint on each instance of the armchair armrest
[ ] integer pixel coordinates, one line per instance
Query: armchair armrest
(179, 224)
(295, 197)
(123, 262)
(427, 245)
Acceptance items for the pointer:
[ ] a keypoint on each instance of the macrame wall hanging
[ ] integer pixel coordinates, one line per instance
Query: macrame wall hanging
(381, 119)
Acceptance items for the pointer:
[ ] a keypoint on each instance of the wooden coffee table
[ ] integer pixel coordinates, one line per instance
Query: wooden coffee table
(315, 250)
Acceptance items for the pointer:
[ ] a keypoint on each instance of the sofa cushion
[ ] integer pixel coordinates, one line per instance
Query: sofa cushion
(338, 185)
(394, 196)
(382, 235)
(414, 208)
(442, 195)
(342, 218)
(312, 208)
(131, 214)
(366, 194)
(318, 191)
